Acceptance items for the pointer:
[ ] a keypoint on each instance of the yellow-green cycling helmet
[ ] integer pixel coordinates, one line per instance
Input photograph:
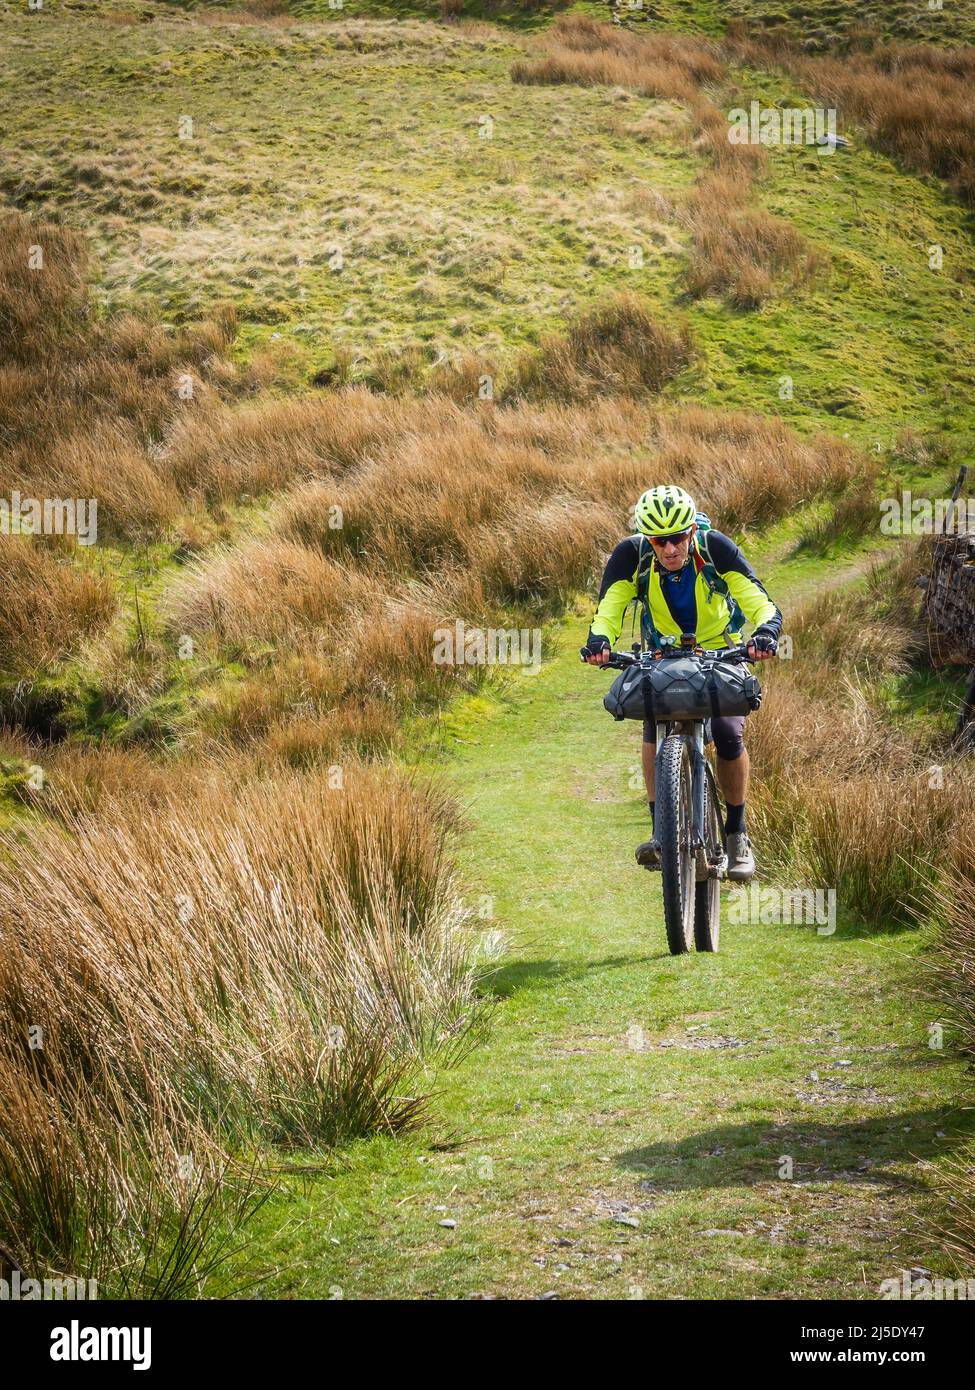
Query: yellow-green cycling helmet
(662, 511)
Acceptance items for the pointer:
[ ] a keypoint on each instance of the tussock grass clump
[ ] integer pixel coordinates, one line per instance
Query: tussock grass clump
(264, 590)
(617, 348)
(271, 443)
(953, 979)
(740, 252)
(748, 469)
(258, 961)
(43, 290)
(586, 51)
(951, 987)
(48, 605)
(84, 404)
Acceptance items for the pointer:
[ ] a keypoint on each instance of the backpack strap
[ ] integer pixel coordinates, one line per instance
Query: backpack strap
(648, 632)
(703, 564)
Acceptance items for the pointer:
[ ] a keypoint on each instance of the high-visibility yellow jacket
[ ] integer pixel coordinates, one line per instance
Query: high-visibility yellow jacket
(689, 597)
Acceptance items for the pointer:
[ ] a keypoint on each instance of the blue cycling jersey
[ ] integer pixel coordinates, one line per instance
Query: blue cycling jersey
(678, 590)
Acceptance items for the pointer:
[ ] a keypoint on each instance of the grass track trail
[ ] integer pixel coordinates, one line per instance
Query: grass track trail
(623, 1131)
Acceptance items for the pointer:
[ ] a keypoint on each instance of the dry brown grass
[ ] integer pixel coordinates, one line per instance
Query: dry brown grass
(748, 469)
(615, 348)
(271, 12)
(259, 448)
(955, 980)
(84, 405)
(842, 793)
(49, 605)
(257, 961)
(588, 52)
(429, 511)
(448, 507)
(264, 590)
(951, 982)
(742, 252)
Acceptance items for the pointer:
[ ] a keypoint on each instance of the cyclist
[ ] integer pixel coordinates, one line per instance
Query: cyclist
(688, 579)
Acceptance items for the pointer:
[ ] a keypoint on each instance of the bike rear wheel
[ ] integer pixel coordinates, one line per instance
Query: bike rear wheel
(707, 891)
(674, 822)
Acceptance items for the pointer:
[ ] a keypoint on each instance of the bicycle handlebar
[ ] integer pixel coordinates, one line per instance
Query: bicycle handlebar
(619, 661)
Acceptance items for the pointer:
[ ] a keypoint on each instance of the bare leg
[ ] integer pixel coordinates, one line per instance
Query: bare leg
(649, 768)
(732, 778)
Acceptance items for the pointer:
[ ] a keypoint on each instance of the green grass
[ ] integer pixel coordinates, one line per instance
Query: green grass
(568, 1117)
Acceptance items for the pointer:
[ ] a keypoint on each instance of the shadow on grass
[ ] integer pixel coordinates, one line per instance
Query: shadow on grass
(860, 1151)
(535, 974)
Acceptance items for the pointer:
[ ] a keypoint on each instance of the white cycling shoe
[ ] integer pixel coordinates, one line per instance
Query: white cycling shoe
(741, 860)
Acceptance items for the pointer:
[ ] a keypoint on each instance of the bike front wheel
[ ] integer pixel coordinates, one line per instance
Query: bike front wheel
(674, 822)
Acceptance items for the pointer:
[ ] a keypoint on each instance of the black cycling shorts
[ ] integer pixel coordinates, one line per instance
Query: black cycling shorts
(727, 731)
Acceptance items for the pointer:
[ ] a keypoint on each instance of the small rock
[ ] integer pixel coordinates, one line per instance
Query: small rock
(626, 1220)
(450, 1223)
(719, 1231)
(548, 1297)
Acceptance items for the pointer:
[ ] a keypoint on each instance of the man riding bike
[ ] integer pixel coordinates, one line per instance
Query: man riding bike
(688, 578)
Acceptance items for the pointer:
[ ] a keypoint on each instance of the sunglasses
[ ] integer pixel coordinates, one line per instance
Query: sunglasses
(661, 541)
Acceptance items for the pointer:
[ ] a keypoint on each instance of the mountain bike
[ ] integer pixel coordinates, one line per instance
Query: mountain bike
(688, 814)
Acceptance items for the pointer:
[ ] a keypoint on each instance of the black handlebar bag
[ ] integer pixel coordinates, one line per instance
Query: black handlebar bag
(681, 688)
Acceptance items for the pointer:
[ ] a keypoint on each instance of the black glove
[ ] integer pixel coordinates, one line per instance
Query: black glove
(764, 640)
(594, 646)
